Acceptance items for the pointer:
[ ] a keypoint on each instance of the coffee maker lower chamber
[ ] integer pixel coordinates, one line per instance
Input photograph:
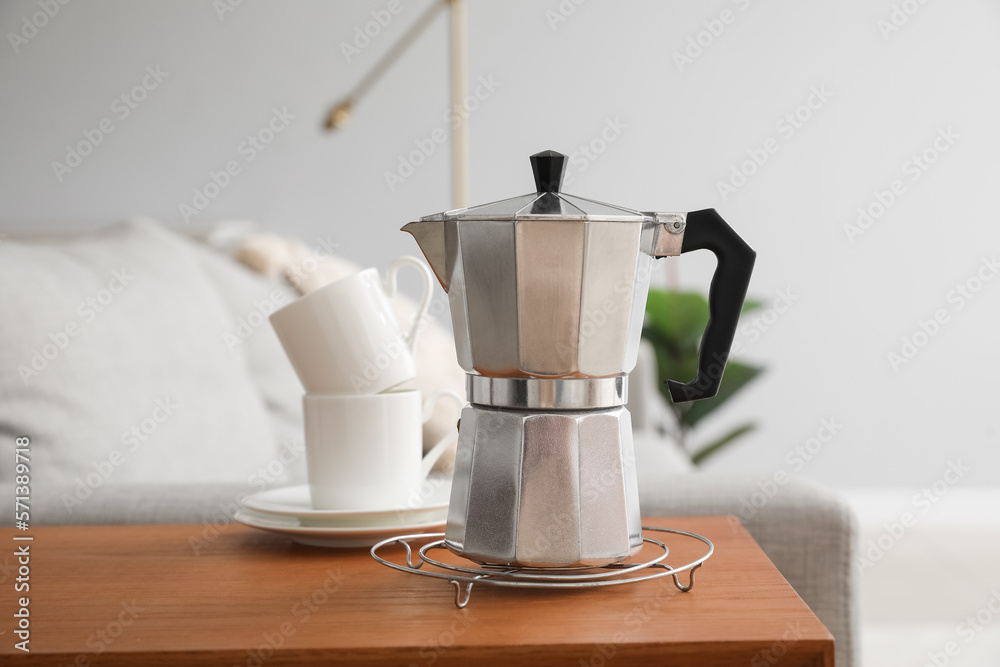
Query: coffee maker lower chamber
(546, 486)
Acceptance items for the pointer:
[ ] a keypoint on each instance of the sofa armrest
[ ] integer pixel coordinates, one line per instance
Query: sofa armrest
(809, 533)
(128, 504)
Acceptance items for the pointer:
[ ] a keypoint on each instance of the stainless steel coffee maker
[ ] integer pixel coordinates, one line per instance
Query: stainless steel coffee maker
(548, 292)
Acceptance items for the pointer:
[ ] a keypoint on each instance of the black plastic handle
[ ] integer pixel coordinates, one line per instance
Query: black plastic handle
(707, 230)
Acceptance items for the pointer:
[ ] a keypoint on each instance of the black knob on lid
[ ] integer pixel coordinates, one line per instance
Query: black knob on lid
(548, 167)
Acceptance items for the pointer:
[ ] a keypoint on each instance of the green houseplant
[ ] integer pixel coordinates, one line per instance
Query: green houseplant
(674, 324)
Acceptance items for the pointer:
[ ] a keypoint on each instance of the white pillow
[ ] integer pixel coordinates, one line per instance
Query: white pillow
(114, 363)
(250, 298)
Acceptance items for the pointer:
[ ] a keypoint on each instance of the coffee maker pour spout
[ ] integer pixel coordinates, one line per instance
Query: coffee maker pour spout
(429, 235)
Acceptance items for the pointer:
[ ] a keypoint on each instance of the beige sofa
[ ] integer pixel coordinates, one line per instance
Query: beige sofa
(140, 363)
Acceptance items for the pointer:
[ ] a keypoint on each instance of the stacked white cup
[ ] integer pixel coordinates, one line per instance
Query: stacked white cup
(362, 431)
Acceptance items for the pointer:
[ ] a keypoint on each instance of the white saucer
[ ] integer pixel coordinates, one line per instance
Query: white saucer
(427, 504)
(335, 536)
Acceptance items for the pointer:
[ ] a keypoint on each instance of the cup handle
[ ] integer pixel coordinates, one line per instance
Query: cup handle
(431, 457)
(425, 301)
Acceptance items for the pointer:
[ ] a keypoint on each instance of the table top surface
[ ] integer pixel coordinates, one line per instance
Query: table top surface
(237, 596)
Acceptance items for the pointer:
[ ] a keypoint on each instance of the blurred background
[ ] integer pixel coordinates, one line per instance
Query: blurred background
(852, 144)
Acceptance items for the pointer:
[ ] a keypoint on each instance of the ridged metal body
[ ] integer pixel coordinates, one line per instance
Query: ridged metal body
(548, 298)
(547, 289)
(545, 489)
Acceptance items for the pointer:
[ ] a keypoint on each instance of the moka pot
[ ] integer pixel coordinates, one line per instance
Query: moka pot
(548, 294)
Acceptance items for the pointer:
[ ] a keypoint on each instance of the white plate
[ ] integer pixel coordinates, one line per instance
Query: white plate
(294, 502)
(335, 537)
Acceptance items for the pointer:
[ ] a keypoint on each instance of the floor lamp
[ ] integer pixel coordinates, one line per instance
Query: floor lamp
(340, 114)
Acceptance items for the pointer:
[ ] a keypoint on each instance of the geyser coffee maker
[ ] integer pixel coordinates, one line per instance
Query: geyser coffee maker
(548, 292)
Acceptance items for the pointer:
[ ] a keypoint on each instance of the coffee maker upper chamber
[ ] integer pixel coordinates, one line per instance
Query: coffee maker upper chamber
(550, 285)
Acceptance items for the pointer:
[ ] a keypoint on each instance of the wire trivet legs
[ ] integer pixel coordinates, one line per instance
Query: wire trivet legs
(526, 577)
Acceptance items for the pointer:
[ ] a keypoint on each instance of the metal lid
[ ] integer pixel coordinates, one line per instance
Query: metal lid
(547, 202)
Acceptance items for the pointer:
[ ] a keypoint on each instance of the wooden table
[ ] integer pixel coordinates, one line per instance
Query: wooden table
(140, 595)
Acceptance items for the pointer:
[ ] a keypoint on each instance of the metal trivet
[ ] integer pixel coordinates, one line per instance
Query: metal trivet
(528, 577)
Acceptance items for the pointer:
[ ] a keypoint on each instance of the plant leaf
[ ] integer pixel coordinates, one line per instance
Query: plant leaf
(680, 316)
(714, 447)
(675, 324)
(670, 363)
(736, 376)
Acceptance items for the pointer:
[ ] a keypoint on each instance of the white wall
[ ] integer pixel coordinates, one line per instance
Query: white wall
(683, 131)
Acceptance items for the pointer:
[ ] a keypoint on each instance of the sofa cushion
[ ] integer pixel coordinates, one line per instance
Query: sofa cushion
(115, 364)
(250, 298)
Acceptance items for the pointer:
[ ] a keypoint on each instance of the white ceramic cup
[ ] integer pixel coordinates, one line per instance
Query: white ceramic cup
(344, 338)
(363, 452)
